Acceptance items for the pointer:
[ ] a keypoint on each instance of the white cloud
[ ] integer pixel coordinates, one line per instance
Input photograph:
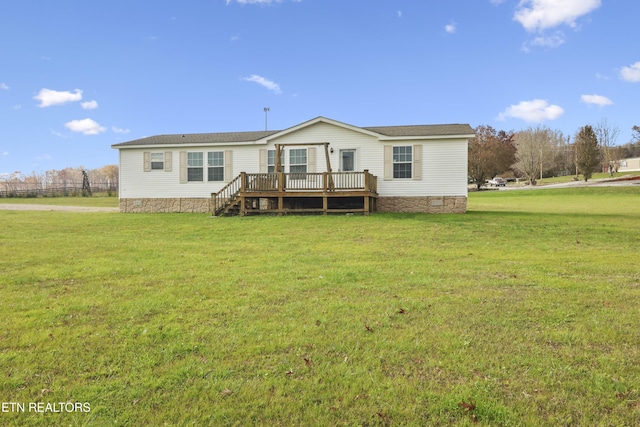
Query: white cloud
(451, 28)
(48, 97)
(551, 41)
(4, 86)
(631, 73)
(272, 86)
(235, 38)
(89, 105)
(119, 130)
(535, 111)
(58, 134)
(596, 100)
(399, 14)
(85, 126)
(5, 153)
(538, 15)
(16, 107)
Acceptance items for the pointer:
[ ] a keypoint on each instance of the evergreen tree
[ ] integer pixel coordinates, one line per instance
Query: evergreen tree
(587, 152)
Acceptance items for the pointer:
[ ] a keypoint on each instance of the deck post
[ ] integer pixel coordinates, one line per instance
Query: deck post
(366, 180)
(280, 181)
(243, 188)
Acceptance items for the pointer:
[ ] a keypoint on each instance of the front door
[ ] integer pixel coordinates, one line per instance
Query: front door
(347, 160)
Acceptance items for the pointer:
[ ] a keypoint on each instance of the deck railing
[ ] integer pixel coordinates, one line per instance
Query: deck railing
(283, 182)
(322, 181)
(228, 193)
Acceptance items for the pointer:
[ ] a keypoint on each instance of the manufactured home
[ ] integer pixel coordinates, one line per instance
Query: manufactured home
(629, 165)
(319, 166)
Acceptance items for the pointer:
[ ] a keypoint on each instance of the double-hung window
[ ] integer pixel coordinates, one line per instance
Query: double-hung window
(157, 161)
(195, 166)
(215, 166)
(402, 161)
(271, 161)
(298, 163)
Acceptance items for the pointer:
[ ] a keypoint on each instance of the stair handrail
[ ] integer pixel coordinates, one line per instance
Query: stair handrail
(227, 195)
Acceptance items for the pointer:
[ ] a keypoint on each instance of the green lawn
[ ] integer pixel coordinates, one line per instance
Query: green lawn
(524, 311)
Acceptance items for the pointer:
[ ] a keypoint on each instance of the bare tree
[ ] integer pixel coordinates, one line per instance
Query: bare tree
(536, 149)
(607, 135)
(588, 156)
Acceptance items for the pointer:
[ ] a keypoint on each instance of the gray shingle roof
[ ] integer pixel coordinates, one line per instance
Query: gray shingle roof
(236, 137)
(422, 130)
(199, 138)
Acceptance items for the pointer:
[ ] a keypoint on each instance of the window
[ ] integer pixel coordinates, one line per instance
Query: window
(271, 161)
(157, 161)
(347, 160)
(298, 163)
(194, 166)
(402, 162)
(215, 166)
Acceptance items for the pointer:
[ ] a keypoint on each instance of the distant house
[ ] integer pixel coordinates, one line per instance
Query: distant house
(324, 166)
(629, 165)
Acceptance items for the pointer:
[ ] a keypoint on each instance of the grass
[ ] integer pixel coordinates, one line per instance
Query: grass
(522, 312)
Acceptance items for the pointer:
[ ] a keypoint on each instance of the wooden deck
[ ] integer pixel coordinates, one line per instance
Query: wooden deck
(297, 193)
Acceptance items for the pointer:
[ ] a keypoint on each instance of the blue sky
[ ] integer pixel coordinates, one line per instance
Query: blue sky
(77, 76)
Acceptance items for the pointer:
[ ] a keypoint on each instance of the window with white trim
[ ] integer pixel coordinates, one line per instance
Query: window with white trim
(215, 166)
(195, 166)
(157, 161)
(271, 161)
(298, 163)
(402, 161)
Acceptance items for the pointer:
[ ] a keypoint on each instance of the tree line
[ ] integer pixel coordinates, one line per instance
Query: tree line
(541, 152)
(63, 182)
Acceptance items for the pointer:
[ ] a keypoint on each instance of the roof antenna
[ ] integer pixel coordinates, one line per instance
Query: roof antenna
(266, 114)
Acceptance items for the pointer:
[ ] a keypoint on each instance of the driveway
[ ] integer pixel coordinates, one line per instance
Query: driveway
(605, 182)
(34, 207)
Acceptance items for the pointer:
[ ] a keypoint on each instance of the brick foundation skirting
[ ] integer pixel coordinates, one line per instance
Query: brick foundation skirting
(425, 204)
(165, 205)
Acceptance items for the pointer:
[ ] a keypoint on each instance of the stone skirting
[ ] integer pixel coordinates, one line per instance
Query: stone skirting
(425, 204)
(165, 205)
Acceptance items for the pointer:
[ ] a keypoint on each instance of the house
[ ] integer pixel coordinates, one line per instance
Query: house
(629, 165)
(324, 166)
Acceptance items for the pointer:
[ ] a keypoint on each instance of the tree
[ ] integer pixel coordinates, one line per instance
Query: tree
(587, 152)
(490, 153)
(607, 135)
(636, 133)
(537, 148)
